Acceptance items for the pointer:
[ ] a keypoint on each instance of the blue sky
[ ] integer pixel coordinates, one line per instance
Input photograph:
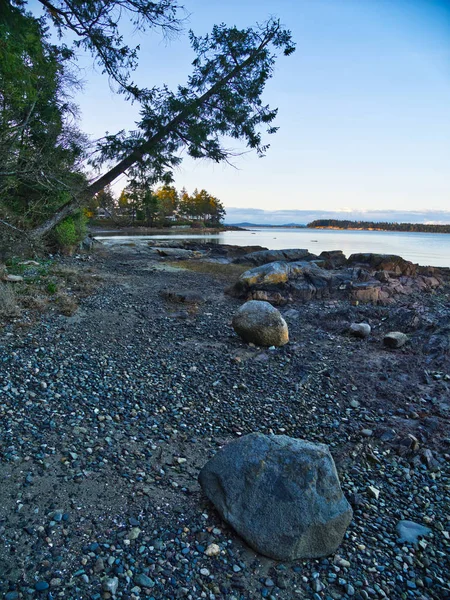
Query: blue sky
(364, 106)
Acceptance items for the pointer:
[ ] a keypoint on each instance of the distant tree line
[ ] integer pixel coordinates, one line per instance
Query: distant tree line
(140, 205)
(343, 224)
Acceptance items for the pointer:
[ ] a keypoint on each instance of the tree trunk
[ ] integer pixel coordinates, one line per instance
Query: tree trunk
(145, 148)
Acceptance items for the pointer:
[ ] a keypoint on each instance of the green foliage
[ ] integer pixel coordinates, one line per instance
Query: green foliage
(96, 27)
(65, 233)
(39, 146)
(221, 99)
(70, 231)
(203, 207)
(167, 205)
(51, 287)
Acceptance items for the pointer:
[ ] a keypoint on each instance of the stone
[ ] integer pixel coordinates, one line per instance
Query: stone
(391, 263)
(261, 323)
(144, 580)
(212, 550)
(341, 562)
(281, 494)
(374, 492)
(333, 258)
(270, 274)
(110, 584)
(409, 531)
(13, 278)
(395, 339)
(360, 330)
(41, 586)
(134, 533)
(367, 293)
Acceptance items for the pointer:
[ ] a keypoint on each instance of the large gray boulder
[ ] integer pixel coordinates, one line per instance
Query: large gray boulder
(259, 322)
(281, 494)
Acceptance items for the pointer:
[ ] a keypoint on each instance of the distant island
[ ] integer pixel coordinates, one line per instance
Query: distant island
(373, 226)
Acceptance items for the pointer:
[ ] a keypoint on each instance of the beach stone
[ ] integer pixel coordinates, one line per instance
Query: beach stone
(261, 323)
(212, 550)
(281, 494)
(395, 339)
(110, 584)
(360, 330)
(409, 531)
(144, 580)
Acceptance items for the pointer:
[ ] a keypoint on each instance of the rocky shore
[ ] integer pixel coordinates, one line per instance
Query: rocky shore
(108, 416)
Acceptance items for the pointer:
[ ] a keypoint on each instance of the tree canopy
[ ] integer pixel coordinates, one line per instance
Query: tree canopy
(147, 207)
(41, 149)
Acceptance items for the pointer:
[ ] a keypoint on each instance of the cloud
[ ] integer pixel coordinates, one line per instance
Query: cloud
(302, 217)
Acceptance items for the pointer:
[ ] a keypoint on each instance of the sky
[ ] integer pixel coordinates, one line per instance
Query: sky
(364, 108)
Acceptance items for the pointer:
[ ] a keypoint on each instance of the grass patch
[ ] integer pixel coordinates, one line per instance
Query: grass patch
(211, 268)
(46, 285)
(66, 303)
(29, 270)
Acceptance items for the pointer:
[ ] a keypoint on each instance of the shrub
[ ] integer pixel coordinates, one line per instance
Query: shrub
(71, 231)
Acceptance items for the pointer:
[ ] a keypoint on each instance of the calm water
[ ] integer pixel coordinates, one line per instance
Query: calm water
(423, 248)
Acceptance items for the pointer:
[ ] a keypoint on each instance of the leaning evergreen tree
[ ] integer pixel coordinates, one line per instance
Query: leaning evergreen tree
(220, 100)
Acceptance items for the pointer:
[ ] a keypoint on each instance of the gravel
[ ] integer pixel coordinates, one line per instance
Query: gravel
(108, 416)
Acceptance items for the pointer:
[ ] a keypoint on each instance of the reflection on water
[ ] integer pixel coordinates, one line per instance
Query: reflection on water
(121, 238)
(423, 248)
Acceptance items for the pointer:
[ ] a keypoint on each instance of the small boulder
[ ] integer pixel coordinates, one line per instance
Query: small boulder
(260, 323)
(281, 494)
(360, 330)
(395, 339)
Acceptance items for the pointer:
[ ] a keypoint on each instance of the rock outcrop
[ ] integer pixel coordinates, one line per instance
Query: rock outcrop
(281, 494)
(268, 256)
(260, 323)
(363, 278)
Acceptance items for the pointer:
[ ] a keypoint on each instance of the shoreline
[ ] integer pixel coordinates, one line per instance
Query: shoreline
(110, 414)
(162, 231)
